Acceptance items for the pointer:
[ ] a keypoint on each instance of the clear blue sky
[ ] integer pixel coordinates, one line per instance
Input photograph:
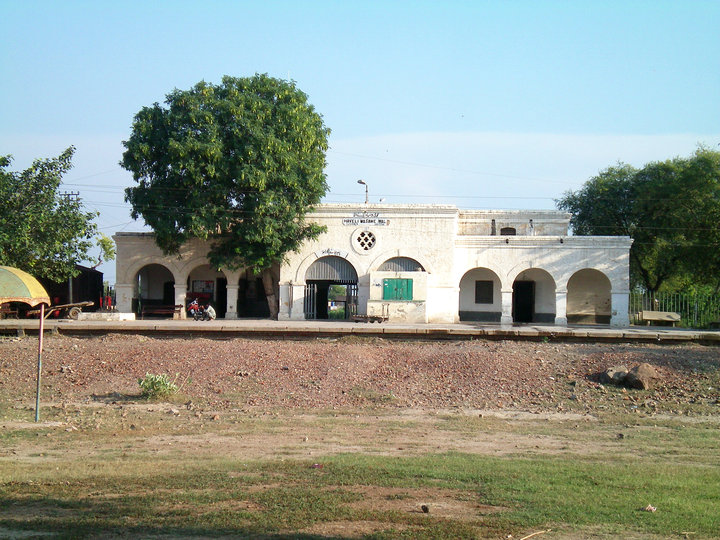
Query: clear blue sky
(502, 104)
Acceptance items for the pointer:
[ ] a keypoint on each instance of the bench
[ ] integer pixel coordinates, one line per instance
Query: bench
(162, 311)
(660, 316)
(6, 312)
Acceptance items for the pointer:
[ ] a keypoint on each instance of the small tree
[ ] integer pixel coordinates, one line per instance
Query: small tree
(42, 231)
(239, 164)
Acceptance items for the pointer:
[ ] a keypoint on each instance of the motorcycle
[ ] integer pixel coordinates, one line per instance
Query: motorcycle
(195, 310)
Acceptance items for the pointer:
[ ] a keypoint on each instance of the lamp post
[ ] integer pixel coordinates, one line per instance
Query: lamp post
(367, 200)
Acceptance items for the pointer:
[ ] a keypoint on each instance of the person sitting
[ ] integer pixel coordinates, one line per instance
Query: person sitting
(209, 313)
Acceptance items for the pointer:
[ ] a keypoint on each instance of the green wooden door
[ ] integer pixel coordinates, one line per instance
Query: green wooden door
(397, 289)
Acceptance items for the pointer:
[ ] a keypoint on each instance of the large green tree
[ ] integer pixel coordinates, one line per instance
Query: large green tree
(43, 231)
(671, 210)
(239, 164)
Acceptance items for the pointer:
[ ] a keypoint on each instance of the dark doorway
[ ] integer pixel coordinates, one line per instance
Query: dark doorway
(523, 301)
(252, 301)
(169, 293)
(221, 298)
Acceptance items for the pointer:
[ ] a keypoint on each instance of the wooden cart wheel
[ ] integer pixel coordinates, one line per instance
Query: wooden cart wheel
(74, 313)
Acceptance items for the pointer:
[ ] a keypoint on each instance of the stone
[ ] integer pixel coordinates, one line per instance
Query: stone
(641, 376)
(614, 375)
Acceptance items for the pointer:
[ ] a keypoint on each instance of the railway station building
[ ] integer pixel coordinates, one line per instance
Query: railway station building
(403, 263)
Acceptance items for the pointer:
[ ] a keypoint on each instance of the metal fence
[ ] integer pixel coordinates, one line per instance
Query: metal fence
(696, 310)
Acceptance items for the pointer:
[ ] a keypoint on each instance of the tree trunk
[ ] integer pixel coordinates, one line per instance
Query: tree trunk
(269, 285)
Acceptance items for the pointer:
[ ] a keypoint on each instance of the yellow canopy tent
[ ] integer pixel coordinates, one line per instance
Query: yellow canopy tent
(19, 286)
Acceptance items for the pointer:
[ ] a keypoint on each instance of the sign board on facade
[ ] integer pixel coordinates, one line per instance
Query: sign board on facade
(330, 252)
(366, 218)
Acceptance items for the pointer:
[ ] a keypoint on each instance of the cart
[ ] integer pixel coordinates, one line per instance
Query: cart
(374, 318)
(67, 311)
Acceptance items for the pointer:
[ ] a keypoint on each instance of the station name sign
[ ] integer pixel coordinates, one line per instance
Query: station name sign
(366, 218)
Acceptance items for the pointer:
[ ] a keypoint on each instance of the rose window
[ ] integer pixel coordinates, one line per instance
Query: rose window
(365, 240)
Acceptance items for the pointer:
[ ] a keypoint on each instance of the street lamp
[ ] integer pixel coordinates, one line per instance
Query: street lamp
(367, 200)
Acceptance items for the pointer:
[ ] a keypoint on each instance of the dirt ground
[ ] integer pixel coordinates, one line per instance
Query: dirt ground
(304, 400)
(357, 372)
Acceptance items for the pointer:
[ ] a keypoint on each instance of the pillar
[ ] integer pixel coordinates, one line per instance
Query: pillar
(232, 301)
(123, 297)
(561, 307)
(620, 307)
(180, 293)
(292, 302)
(506, 296)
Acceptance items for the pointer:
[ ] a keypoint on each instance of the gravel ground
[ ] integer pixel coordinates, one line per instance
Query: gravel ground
(358, 372)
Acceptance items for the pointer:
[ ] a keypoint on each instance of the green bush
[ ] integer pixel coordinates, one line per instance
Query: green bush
(157, 386)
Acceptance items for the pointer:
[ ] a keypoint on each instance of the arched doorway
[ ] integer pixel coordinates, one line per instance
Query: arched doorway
(208, 286)
(252, 301)
(330, 286)
(533, 297)
(480, 298)
(154, 286)
(589, 300)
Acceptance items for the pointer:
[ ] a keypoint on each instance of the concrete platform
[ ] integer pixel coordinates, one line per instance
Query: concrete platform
(263, 328)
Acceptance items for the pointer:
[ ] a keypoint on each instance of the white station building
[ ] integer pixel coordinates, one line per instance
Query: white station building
(409, 263)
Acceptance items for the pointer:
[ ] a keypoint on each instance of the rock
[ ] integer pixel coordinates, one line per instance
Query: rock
(641, 376)
(614, 375)
(174, 412)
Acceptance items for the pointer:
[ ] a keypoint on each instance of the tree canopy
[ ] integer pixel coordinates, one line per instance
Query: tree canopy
(239, 164)
(671, 210)
(42, 231)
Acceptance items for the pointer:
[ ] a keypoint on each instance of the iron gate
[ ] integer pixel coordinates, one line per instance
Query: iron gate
(352, 300)
(310, 305)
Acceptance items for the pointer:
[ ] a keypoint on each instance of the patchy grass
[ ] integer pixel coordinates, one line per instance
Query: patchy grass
(140, 471)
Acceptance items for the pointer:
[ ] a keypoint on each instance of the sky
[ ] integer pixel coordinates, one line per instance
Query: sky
(480, 104)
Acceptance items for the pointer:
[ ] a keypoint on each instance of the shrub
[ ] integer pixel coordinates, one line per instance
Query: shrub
(157, 386)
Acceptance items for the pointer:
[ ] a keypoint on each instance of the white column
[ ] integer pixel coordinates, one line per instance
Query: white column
(232, 298)
(123, 297)
(180, 292)
(295, 299)
(284, 295)
(561, 307)
(620, 307)
(506, 296)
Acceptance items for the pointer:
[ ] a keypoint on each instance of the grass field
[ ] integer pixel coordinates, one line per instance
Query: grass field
(137, 469)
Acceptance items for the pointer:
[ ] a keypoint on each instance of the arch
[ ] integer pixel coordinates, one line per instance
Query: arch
(508, 231)
(401, 264)
(331, 289)
(186, 267)
(301, 269)
(480, 296)
(153, 284)
(589, 298)
(130, 273)
(533, 296)
(208, 286)
(400, 253)
(331, 268)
